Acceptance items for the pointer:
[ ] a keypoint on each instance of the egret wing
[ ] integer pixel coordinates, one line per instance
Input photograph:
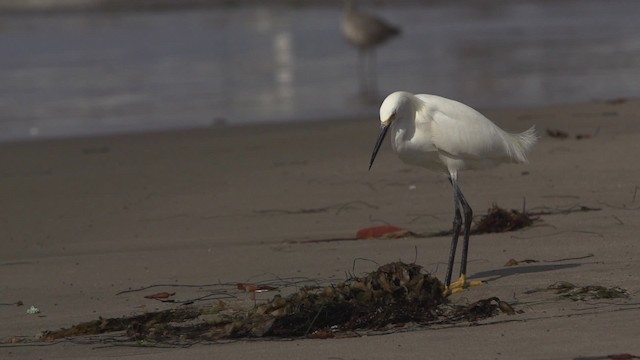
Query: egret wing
(462, 132)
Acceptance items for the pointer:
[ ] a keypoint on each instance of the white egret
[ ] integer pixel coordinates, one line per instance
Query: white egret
(445, 135)
(365, 32)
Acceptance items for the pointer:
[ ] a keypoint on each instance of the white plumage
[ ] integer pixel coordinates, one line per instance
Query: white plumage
(445, 135)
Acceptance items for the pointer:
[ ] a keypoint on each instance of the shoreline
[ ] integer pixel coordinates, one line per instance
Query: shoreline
(489, 112)
(55, 6)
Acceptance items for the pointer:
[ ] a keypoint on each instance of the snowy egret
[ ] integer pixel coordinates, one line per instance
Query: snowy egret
(365, 32)
(445, 135)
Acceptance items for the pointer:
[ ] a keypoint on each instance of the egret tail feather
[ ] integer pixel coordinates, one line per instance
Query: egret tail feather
(520, 144)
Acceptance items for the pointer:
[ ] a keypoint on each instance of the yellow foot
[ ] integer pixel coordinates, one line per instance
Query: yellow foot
(460, 284)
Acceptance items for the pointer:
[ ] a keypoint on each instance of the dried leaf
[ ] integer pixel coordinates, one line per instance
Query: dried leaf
(160, 295)
(506, 308)
(386, 231)
(513, 262)
(558, 134)
(255, 288)
(247, 287)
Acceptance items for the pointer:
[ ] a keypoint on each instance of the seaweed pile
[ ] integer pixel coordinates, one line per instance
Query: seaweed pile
(573, 292)
(394, 295)
(500, 220)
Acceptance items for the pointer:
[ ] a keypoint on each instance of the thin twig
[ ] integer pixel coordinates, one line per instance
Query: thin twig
(340, 207)
(618, 220)
(570, 258)
(623, 207)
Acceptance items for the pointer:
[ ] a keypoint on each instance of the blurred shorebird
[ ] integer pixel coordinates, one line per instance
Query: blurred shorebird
(366, 32)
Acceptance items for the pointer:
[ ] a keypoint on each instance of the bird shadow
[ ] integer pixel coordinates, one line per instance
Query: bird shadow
(496, 274)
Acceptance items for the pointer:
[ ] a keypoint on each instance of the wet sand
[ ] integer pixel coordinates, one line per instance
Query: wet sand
(83, 219)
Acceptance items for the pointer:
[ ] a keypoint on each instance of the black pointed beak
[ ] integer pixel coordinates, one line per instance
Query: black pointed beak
(383, 133)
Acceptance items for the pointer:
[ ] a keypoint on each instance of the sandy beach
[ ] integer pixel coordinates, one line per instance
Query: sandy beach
(83, 219)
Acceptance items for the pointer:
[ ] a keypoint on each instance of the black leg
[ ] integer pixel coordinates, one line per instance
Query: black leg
(468, 217)
(457, 223)
(362, 71)
(373, 76)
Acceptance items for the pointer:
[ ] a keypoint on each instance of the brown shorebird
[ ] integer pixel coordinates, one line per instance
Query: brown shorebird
(366, 32)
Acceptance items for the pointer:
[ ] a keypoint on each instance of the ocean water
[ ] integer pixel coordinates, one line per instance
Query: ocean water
(88, 73)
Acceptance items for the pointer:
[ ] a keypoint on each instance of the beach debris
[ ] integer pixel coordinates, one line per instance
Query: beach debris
(148, 323)
(341, 207)
(160, 295)
(291, 212)
(581, 293)
(394, 293)
(497, 220)
(616, 101)
(255, 288)
(570, 210)
(570, 258)
(480, 309)
(486, 307)
(386, 231)
(252, 289)
(583, 136)
(623, 356)
(514, 262)
(392, 296)
(17, 303)
(557, 134)
(506, 308)
(33, 310)
(500, 220)
(589, 292)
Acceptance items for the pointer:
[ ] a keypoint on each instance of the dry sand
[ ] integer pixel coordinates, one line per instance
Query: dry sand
(84, 219)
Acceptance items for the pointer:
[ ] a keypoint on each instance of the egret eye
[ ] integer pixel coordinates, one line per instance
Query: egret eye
(389, 120)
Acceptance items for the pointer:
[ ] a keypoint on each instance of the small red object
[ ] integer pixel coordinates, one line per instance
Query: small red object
(386, 231)
(161, 295)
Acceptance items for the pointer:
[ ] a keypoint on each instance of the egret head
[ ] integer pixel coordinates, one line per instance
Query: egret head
(392, 107)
